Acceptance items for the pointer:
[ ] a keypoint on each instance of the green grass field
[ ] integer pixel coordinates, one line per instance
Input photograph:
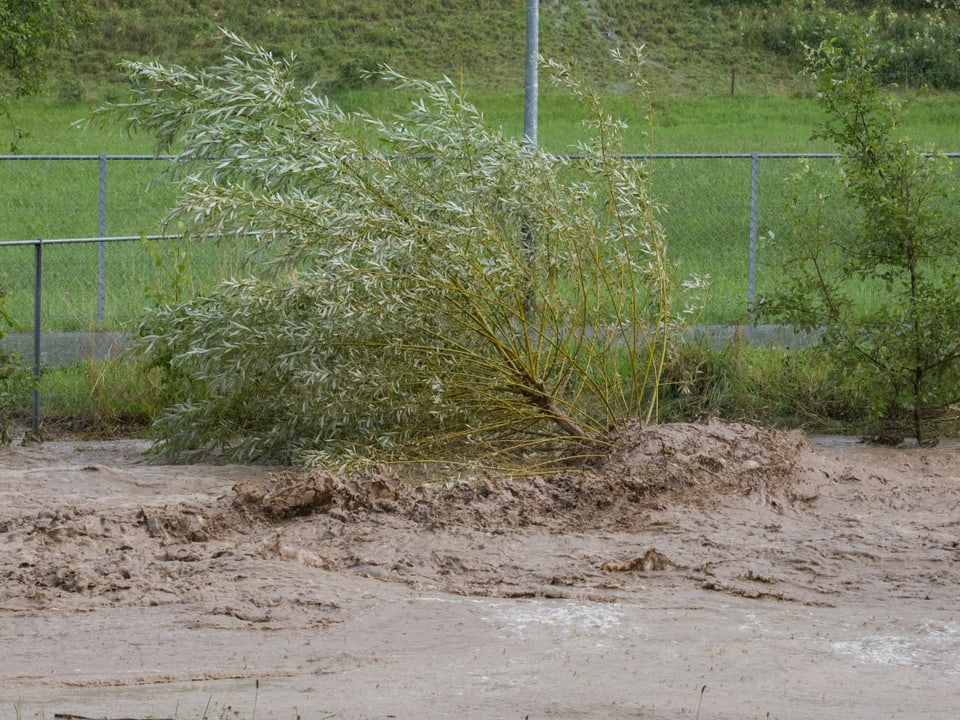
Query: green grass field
(707, 200)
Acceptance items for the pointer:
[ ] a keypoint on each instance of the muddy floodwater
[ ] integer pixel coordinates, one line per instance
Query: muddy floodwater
(703, 570)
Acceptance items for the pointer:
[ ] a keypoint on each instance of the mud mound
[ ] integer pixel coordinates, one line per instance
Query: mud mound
(724, 506)
(651, 466)
(691, 461)
(153, 550)
(290, 495)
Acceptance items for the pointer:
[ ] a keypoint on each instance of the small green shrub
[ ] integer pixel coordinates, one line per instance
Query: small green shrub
(356, 73)
(904, 348)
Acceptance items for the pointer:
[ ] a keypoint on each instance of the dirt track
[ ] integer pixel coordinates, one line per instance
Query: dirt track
(791, 578)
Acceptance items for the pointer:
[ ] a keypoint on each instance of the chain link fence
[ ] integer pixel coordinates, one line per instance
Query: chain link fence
(84, 251)
(100, 219)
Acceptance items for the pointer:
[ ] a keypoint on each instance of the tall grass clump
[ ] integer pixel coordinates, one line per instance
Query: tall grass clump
(91, 398)
(7, 370)
(432, 287)
(765, 385)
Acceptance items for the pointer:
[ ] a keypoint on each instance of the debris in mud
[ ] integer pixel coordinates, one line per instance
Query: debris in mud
(289, 495)
(755, 594)
(650, 561)
(71, 716)
(183, 522)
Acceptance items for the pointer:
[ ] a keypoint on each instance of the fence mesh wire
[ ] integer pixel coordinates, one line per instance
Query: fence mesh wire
(82, 197)
(99, 287)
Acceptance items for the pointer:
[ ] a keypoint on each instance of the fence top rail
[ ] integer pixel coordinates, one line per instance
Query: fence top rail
(66, 241)
(625, 156)
(102, 156)
(110, 238)
(573, 156)
(728, 156)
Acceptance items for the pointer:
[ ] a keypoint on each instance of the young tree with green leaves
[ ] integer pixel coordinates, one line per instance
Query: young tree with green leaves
(398, 308)
(29, 29)
(905, 347)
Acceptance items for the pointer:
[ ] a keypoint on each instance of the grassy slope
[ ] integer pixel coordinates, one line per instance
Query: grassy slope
(692, 46)
(693, 50)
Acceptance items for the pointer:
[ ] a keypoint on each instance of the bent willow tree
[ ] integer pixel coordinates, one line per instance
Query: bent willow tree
(427, 287)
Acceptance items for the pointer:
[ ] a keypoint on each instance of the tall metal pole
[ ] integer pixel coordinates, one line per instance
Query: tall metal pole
(102, 232)
(530, 92)
(752, 262)
(37, 317)
(530, 85)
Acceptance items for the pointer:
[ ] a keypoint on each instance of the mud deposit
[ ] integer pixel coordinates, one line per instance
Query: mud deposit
(716, 570)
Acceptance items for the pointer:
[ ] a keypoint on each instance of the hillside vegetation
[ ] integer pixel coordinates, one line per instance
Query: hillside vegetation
(698, 48)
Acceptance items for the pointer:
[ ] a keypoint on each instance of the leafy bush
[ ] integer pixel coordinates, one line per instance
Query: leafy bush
(917, 40)
(426, 283)
(29, 31)
(356, 73)
(905, 348)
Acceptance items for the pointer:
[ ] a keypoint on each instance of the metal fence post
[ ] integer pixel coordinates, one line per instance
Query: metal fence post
(752, 268)
(37, 294)
(102, 232)
(530, 78)
(531, 90)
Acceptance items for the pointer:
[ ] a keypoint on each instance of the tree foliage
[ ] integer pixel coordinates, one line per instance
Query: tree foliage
(425, 283)
(917, 39)
(906, 345)
(29, 29)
